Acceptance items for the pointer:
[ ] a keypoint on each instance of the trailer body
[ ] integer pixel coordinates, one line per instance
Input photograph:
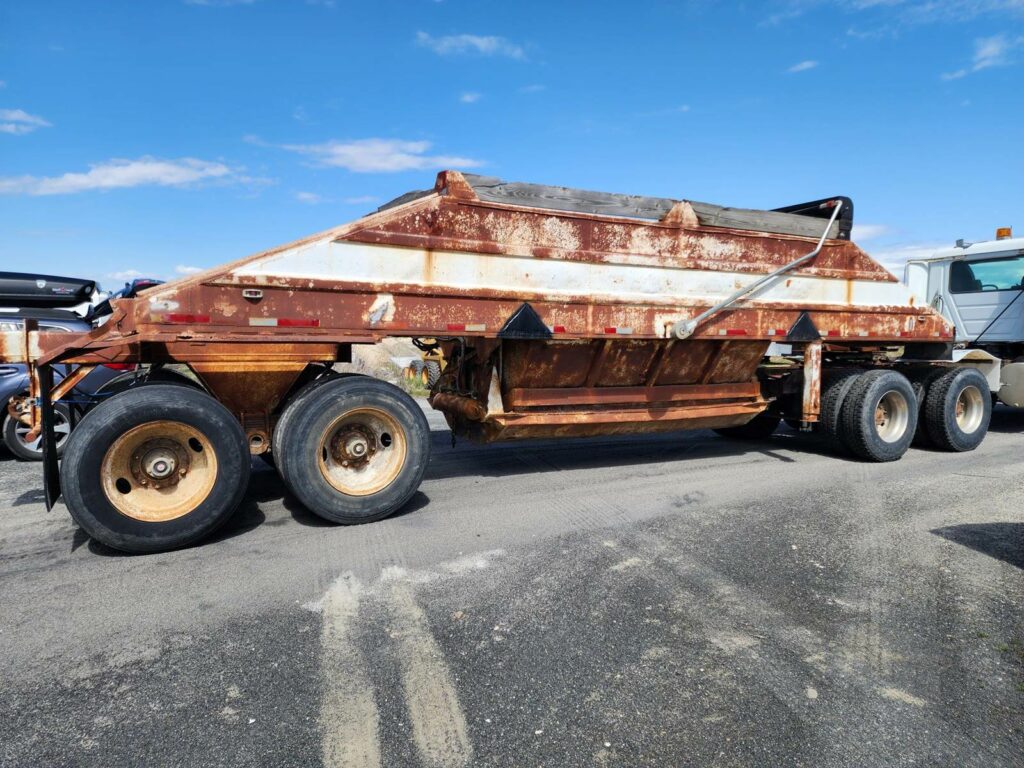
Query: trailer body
(559, 313)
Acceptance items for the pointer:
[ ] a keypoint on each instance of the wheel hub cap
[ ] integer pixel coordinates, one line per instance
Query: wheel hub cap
(159, 463)
(354, 445)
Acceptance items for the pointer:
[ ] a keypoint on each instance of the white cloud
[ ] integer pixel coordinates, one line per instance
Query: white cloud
(120, 174)
(863, 232)
(988, 52)
(803, 66)
(310, 198)
(19, 122)
(483, 45)
(182, 269)
(379, 155)
(894, 258)
(901, 12)
(469, 97)
(126, 275)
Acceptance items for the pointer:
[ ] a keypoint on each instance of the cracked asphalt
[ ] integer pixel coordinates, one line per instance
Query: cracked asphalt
(669, 600)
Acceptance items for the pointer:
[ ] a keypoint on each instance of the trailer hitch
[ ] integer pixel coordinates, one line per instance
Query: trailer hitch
(684, 329)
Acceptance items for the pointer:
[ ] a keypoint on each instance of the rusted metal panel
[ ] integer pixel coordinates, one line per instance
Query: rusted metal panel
(616, 395)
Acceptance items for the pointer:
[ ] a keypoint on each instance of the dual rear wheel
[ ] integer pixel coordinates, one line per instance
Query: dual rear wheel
(877, 414)
(162, 466)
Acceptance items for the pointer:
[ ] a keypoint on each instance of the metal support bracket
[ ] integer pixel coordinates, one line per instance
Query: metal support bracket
(684, 329)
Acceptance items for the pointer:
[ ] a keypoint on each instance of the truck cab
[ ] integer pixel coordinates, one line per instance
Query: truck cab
(979, 288)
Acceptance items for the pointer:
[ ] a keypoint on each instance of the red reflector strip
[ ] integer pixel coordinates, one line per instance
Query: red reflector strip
(833, 333)
(557, 328)
(471, 327)
(177, 317)
(906, 333)
(284, 322)
(735, 332)
(618, 330)
(777, 332)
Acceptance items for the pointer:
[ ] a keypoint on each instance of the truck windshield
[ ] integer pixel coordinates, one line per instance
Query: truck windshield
(1004, 274)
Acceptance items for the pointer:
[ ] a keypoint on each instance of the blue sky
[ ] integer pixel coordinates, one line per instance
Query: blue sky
(153, 138)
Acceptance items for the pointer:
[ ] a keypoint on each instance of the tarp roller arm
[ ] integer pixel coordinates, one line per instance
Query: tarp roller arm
(683, 329)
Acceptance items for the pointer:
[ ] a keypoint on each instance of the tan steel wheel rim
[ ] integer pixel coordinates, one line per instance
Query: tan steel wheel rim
(970, 409)
(362, 451)
(159, 471)
(892, 415)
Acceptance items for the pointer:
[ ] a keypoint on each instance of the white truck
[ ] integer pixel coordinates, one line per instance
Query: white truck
(979, 288)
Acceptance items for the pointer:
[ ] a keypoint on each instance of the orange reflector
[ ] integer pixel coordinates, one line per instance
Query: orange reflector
(1004, 233)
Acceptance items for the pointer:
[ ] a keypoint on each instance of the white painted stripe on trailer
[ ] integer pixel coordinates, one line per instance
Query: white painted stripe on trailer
(377, 264)
(267, 322)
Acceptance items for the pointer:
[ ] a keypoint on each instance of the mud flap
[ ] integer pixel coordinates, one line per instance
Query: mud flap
(51, 472)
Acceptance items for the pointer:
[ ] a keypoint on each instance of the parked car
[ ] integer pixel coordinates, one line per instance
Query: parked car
(14, 381)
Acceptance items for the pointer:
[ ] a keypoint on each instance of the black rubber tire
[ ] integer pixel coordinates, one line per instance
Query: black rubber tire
(292, 407)
(315, 412)
(858, 431)
(433, 372)
(24, 452)
(80, 471)
(833, 394)
(132, 380)
(940, 410)
(921, 384)
(759, 428)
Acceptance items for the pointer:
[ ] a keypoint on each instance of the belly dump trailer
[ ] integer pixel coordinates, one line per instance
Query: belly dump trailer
(559, 313)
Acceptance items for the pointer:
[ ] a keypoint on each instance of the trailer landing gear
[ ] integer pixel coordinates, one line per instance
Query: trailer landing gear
(155, 468)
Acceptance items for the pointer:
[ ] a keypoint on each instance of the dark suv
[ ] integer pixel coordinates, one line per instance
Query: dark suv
(14, 381)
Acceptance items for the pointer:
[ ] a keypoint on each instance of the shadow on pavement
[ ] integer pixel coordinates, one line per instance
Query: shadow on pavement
(1003, 541)
(1010, 420)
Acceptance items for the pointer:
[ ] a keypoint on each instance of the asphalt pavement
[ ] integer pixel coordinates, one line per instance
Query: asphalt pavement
(670, 600)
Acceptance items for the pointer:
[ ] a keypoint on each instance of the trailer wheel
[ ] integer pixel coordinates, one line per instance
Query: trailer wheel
(833, 396)
(957, 410)
(291, 408)
(879, 416)
(760, 427)
(16, 433)
(921, 384)
(155, 468)
(356, 449)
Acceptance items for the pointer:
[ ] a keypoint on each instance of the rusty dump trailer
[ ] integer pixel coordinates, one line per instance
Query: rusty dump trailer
(560, 313)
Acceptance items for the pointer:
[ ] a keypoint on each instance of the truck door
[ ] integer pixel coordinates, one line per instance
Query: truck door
(986, 294)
